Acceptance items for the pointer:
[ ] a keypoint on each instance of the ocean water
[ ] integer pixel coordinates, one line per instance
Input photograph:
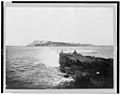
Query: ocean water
(38, 67)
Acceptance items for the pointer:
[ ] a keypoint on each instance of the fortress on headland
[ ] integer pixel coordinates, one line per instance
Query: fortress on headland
(51, 43)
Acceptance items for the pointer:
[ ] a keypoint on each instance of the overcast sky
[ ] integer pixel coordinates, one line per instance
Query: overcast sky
(83, 25)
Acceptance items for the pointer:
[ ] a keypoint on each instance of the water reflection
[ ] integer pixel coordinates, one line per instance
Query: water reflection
(49, 57)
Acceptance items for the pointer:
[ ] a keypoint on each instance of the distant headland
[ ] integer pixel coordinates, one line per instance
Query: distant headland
(52, 43)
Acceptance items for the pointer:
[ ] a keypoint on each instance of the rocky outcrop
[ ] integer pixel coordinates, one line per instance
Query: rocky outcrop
(87, 71)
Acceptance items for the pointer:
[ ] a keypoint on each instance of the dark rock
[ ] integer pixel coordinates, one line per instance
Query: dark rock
(66, 76)
(87, 71)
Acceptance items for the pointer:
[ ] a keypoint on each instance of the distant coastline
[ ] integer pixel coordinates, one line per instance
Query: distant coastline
(42, 43)
(51, 43)
(66, 44)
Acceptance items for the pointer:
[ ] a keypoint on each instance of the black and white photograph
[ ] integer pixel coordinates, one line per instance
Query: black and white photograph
(60, 46)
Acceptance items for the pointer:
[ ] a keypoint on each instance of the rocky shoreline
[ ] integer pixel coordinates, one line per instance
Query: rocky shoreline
(87, 71)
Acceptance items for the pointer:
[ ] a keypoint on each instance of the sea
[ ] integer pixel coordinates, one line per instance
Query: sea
(38, 67)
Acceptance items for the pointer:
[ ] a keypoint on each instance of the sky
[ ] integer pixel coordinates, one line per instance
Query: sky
(92, 25)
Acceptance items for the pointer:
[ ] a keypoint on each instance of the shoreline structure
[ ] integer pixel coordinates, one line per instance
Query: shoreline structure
(87, 71)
